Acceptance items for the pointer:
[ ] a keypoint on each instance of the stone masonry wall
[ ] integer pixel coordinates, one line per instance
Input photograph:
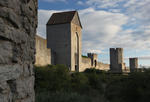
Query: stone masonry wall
(43, 54)
(116, 60)
(133, 64)
(18, 22)
(103, 66)
(86, 63)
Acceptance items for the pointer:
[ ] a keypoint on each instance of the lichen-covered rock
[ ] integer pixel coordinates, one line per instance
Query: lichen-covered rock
(18, 22)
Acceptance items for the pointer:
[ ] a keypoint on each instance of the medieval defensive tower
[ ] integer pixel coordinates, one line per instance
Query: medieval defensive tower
(94, 59)
(116, 60)
(64, 39)
(133, 64)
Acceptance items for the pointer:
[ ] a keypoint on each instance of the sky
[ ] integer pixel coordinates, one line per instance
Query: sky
(106, 24)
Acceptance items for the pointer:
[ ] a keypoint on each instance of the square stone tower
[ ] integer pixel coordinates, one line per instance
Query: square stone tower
(64, 39)
(116, 60)
(94, 59)
(133, 64)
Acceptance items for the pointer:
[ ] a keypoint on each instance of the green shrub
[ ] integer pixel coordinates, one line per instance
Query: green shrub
(132, 88)
(63, 97)
(95, 82)
(93, 70)
(79, 82)
(52, 78)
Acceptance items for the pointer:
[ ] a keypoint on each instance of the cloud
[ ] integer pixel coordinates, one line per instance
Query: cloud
(104, 29)
(135, 9)
(99, 27)
(103, 3)
(80, 3)
(139, 9)
(93, 51)
(139, 58)
(144, 57)
(135, 34)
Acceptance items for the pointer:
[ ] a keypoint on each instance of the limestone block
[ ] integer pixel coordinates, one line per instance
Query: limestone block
(4, 88)
(8, 72)
(2, 28)
(5, 52)
(3, 98)
(12, 34)
(5, 94)
(24, 87)
(28, 70)
(11, 4)
(11, 17)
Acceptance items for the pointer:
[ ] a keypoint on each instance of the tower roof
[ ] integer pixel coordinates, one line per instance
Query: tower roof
(62, 18)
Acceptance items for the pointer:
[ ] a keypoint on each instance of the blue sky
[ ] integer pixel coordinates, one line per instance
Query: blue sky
(106, 24)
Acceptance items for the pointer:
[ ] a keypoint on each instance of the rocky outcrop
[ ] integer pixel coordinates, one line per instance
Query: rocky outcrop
(18, 22)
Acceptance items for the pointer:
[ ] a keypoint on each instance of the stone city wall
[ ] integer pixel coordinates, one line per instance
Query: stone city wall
(103, 66)
(86, 63)
(43, 54)
(18, 23)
